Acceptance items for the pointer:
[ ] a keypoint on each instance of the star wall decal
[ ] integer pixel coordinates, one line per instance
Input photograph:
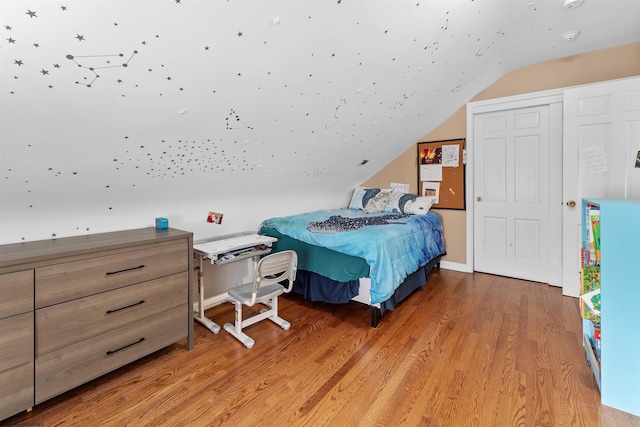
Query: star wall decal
(44, 72)
(79, 37)
(30, 13)
(63, 7)
(7, 27)
(10, 40)
(18, 62)
(239, 33)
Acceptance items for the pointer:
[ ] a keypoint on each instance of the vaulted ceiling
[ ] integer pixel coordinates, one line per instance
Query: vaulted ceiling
(110, 104)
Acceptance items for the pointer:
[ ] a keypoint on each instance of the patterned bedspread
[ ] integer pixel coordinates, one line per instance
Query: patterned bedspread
(394, 246)
(338, 223)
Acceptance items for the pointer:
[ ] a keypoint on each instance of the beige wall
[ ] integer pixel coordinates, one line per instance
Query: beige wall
(606, 64)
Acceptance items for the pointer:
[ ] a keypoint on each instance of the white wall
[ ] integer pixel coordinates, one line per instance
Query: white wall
(115, 112)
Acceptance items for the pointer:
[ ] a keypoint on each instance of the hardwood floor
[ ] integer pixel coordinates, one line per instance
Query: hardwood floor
(466, 350)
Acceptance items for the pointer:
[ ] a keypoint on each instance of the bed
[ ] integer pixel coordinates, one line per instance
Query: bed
(374, 256)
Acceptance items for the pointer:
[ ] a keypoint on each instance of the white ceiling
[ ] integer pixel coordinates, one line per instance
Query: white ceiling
(108, 104)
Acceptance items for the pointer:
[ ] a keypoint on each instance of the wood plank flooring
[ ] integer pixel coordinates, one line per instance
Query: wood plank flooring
(466, 350)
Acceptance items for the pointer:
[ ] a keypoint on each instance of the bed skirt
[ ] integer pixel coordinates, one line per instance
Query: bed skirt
(316, 287)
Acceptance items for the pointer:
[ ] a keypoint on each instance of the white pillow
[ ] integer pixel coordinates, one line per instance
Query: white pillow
(419, 206)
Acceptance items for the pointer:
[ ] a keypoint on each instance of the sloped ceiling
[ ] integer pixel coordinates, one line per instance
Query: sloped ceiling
(116, 112)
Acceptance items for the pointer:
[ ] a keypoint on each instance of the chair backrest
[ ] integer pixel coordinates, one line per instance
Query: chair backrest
(276, 267)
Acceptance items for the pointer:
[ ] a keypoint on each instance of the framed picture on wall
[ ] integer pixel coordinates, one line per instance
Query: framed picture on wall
(432, 189)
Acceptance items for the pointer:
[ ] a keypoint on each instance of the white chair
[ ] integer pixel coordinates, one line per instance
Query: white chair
(264, 289)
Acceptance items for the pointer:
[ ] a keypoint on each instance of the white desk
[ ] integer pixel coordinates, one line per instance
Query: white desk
(223, 250)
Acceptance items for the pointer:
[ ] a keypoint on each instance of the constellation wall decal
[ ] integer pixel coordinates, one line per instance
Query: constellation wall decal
(490, 42)
(186, 157)
(342, 102)
(459, 87)
(233, 121)
(404, 99)
(315, 173)
(434, 43)
(93, 69)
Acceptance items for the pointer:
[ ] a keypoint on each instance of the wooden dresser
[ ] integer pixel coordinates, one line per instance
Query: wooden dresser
(75, 308)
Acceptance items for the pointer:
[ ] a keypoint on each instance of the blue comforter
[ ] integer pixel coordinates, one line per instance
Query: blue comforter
(393, 251)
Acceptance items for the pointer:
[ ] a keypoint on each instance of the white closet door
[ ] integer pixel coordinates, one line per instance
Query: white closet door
(511, 194)
(600, 148)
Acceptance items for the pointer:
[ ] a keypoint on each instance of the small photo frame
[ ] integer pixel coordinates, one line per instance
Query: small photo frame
(214, 217)
(431, 189)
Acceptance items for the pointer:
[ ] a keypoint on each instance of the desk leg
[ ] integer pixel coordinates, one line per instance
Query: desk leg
(199, 315)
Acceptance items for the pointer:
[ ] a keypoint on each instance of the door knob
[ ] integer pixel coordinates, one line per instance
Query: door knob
(479, 199)
(571, 204)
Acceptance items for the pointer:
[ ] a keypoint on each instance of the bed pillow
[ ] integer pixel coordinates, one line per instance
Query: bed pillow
(377, 203)
(361, 196)
(419, 206)
(397, 200)
(408, 203)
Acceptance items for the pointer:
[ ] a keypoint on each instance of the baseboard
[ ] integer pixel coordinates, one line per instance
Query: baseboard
(456, 266)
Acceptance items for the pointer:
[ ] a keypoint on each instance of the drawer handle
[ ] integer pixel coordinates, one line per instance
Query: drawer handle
(110, 352)
(123, 308)
(110, 273)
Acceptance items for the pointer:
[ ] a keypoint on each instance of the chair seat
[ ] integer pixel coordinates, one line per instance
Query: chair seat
(271, 271)
(243, 293)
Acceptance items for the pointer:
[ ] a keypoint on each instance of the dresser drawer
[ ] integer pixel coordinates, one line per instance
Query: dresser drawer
(71, 366)
(16, 293)
(16, 393)
(63, 282)
(16, 340)
(63, 324)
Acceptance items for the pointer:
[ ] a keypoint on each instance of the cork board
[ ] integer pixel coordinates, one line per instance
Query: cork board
(441, 172)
